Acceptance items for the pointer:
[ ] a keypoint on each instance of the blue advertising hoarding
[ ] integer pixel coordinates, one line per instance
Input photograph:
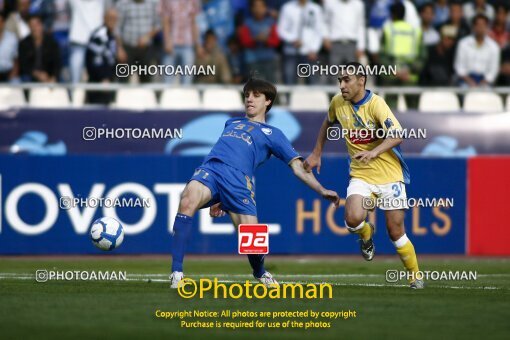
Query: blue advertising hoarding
(62, 132)
(32, 221)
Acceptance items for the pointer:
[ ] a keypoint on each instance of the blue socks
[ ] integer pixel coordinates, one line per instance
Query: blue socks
(182, 229)
(257, 263)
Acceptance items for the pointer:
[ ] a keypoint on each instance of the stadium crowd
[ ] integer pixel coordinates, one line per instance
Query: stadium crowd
(439, 43)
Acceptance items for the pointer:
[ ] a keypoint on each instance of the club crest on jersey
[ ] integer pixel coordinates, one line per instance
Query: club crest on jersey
(267, 131)
(388, 123)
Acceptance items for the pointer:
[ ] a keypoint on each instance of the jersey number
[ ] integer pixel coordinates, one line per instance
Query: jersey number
(242, 126)
(397, 189)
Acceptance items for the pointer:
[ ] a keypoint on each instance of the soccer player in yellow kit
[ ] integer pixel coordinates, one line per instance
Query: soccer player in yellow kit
(377, 168)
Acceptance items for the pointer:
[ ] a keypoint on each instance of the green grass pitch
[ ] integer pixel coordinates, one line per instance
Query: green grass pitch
(126, 309)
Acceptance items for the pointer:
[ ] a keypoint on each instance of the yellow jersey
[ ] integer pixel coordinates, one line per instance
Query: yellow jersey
(370, 113)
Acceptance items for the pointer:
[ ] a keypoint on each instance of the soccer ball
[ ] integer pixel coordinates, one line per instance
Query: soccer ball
(107, 233)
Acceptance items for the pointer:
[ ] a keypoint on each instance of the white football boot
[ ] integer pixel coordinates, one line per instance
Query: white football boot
(268, 280)
(175, 278)
(417, 284)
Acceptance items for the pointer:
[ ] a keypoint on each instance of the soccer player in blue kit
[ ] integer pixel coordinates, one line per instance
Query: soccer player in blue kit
(224, 180)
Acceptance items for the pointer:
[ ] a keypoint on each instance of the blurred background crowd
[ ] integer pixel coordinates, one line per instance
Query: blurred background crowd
(433, 43)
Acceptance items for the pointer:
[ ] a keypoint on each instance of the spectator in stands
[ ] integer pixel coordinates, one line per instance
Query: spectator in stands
(112, 3)
(411, 15)
(457, 20)
(345, 34)
(101, 57)
(86, 16)
(236, 61)
(438, 69)
(213, 56)
(8, 6)
(259, 39)
(61, 19)
(46, 10)
(475, 7)
(180, 34)
(504, 76)
(377, 16)
(430, 35)
(139, 23)
(39, 56)
(219, 16)
(501, 34)
(60, 30)
(380, 15)
(8, 52)
(300, 27)
(275, 6)
(441, 12)
(17, 22)
(241, 10)
(477, 56)
(402, 46)
(500, 31)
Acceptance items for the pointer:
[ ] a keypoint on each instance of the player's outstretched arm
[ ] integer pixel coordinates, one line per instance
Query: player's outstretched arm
(314, 160)
(309, 179)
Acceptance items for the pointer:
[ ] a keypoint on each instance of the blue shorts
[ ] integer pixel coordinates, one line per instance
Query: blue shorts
(229, 186)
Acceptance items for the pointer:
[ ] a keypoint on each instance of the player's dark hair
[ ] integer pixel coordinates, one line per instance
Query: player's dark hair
(3, 15)
(359, 70)
(261, 86)
(479, 16)
(398, 11)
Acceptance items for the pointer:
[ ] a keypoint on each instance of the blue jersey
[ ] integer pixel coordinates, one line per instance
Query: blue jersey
(245, 144)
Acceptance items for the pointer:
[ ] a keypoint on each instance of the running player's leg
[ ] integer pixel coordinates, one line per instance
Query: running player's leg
(194, 196)
(405, 249)
(256, 260)
(356, 214)
(395, 202)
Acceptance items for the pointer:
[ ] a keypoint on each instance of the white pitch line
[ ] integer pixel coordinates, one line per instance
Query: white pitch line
(298, 275)
(279, 275)
(146, 277)
(345, 275)
(295, 275)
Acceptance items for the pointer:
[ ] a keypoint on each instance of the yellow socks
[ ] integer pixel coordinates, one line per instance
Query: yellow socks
(405, 250)
(364, 232)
